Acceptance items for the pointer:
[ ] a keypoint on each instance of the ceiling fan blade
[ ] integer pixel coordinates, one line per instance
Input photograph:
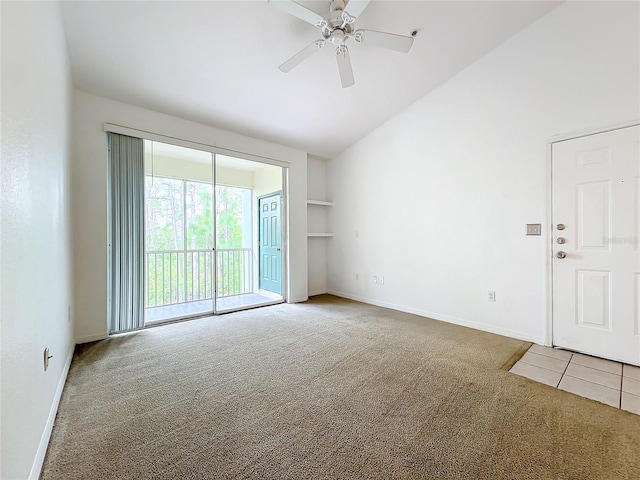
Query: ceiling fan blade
(356, 7)
(344, 66)
(302, 55)
(298, 10)
(399, 43)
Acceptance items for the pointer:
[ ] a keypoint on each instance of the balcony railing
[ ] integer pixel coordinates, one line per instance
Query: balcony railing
(179, 276)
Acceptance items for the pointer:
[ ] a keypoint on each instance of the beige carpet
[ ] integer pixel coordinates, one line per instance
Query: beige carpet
(328, 389)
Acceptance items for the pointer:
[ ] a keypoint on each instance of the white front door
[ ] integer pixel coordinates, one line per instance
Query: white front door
(596, 271)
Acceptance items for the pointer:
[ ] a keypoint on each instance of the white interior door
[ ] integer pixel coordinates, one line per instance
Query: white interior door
(596, 213)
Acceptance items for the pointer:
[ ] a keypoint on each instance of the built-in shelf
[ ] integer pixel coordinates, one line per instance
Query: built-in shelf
(320, 202)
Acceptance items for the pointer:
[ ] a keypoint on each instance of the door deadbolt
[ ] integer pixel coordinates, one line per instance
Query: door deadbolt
(561, 240)
(561, 255)
(561, 226)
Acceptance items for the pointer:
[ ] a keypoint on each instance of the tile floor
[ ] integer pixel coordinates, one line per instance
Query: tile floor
(613, 383)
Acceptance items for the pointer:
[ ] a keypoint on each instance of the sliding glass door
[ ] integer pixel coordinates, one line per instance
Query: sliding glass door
(213, 233)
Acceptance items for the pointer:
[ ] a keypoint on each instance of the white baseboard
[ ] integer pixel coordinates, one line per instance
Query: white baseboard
(91, 338)
(445, 318)
(298, 300)
(317, 292)
(38, 461)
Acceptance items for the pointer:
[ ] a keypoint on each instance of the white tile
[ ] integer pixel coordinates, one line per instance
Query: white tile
(631, 403)
(631, 385)
(590, 390)
(597, 363)
(600, 377)
(631, 371)
(539, 374)
(550, 352)
(545, 362)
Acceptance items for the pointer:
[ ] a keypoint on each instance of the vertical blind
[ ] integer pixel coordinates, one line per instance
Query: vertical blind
(126, 233)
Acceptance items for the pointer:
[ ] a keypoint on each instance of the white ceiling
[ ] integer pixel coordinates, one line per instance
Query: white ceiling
(216, 62)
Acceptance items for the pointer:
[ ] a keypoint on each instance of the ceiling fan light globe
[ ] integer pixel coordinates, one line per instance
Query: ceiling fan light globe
(337, 37)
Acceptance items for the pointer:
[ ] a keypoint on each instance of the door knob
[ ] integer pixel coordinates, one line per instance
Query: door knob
(277, 249)
(561, 240)
(561, 254)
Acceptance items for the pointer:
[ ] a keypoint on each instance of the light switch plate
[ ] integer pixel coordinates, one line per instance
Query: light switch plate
(534, 229)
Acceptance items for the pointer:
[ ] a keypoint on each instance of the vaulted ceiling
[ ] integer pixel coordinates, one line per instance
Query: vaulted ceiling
(216, 62)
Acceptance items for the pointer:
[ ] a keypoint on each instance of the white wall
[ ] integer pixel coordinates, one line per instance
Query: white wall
(89, 184)
(317, 222)
(266, 180)
(440, 194)
(35, 248)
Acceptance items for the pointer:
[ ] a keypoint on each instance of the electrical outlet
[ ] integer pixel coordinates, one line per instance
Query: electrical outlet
(492, 296)
(375, 279)
(381, 280)
(357, 277)
(356, 234)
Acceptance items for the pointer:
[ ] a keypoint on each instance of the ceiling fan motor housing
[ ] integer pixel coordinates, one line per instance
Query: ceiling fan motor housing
(336, 23)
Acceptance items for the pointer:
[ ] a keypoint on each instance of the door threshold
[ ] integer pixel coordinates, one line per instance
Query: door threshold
(249, 307)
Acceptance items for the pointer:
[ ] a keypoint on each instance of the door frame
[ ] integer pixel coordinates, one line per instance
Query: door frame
(283, 236)
(548, 327)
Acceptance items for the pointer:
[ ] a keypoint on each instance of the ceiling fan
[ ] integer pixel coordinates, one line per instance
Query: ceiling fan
(337, 27)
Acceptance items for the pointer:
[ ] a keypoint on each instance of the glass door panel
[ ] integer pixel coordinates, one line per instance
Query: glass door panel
(164, 235)
(240, 184)
(199, 252)
(179, 258)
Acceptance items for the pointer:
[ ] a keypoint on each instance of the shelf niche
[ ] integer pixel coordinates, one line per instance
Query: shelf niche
(321, 203)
